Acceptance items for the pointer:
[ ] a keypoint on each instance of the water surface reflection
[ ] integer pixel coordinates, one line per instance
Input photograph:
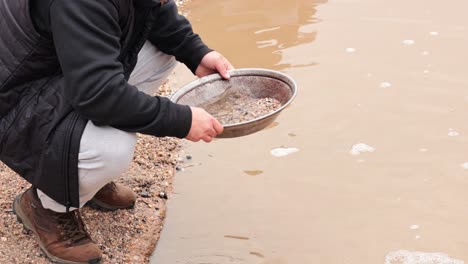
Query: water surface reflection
(369, 163)
(260, 30)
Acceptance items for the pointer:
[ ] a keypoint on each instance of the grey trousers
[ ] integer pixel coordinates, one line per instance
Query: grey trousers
(105, 152)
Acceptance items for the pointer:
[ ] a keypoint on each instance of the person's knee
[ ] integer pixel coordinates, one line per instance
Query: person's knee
(152, 69)
(119, 154)
(105, 151)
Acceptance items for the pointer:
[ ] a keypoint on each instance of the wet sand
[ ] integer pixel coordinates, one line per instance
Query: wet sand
(380, 128)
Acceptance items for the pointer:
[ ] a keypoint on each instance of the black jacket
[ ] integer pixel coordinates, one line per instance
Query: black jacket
(69, 62)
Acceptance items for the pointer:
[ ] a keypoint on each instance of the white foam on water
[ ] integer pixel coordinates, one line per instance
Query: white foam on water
(423, 150)
(452, 133)
(408, 257)
(360, 148)
(464, 165)
(417, 237)
(281, 152)
(434, 33)
(385, 85)
(425, 53)
(425, 71)
(408, 42)
(414, 227)
(350, 50)
(266, 30)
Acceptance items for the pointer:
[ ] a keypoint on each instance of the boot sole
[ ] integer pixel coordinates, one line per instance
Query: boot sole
(21, 217)
(96, 204)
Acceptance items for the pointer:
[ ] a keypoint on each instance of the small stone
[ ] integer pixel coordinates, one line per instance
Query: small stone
(163, 195)
(189, 157)
(144, 194)
(178, 168)
(4, 239)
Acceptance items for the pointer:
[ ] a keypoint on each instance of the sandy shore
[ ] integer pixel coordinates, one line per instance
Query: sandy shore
(125, 236)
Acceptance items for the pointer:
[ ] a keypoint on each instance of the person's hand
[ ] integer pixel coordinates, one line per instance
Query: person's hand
(204, 126)
(214, 62)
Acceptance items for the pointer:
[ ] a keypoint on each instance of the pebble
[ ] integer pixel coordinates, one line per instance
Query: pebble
(4, 239)
(145, 194)
(163, 195)
(189, 157)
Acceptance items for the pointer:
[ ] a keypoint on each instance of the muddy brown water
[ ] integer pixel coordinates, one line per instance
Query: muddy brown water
(371, 158)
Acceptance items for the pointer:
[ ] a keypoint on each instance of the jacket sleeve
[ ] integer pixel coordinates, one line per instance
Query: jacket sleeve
(173, 35)
(86, 36)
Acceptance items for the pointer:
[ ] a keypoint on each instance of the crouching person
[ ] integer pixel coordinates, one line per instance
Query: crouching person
(72, 97)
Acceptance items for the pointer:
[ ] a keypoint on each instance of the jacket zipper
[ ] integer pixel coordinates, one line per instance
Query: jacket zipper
(65, 158)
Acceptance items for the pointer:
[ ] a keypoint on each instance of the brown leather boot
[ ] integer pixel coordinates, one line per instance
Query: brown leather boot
(114, 196)
(62, 236)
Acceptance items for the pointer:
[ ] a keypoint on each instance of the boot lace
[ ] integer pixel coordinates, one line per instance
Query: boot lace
(72, 227)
